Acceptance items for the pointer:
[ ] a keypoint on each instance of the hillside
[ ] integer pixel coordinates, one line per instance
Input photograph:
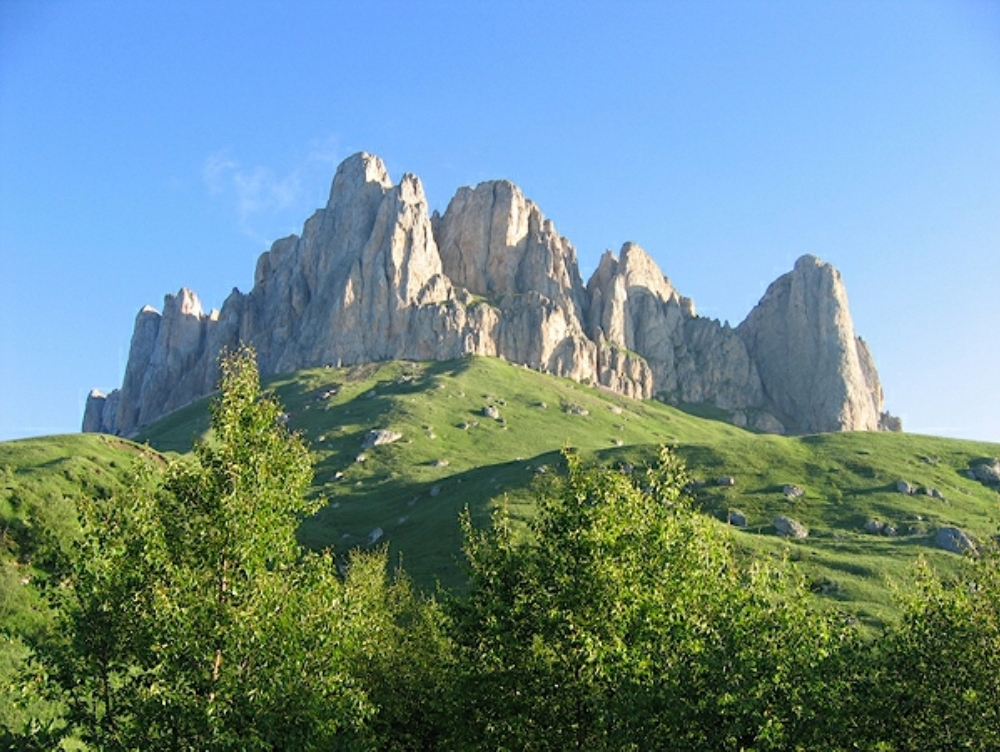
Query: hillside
(41, 481)
(451, 454)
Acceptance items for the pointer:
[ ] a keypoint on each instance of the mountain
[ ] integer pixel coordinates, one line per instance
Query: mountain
(374, 276)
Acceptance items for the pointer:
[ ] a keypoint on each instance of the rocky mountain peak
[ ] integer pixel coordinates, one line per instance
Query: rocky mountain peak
(358, 174)
(816, 375)
(374, 276)
(495, 242)
(641, 272)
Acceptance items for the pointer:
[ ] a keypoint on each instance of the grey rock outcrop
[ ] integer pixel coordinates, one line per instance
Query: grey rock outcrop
(789, 528)
(815, 373)
(633, 307)
(375, 276)
(101, 412)
(986, 472)
(380, 436)
(956, 541)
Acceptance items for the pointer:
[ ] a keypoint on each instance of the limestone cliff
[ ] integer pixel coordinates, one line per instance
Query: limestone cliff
(374, 276)
(815, 373)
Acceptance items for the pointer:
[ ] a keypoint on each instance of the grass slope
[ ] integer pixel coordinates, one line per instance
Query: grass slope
(452, 454)
(41, 481)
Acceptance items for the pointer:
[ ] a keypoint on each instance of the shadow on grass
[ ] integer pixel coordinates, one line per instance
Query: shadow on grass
(420, 520)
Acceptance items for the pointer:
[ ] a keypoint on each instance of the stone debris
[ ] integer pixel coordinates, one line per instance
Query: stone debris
(380, 436)
(736, 518)
(789, 528)
(956, 541)
(877, 527)
(986, 472)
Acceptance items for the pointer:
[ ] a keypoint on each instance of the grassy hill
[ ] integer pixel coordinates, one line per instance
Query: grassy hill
(452, 453)
(41, 481)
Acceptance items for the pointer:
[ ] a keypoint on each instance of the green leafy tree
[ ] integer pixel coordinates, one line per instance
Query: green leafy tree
(932, 681)
(191, 618)
(401, 654)
(627, 621)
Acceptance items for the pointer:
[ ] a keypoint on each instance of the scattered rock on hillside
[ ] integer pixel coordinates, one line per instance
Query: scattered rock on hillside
(955, 540)
(491, 412)
(736, 518)
(877, 527)
(726, 480)
(792, 492)
(380, 436)
(904, 487)
(374, 536)
(789, 528)
(890, 422)
(986, 472)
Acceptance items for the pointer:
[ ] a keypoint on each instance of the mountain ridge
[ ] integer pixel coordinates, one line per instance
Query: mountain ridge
(375, 276)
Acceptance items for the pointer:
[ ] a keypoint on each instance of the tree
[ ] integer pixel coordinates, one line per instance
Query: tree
(627, 620)
(191, 618)
(932, 681)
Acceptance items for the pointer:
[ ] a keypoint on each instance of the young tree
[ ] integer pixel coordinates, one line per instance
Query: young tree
(192, 619)
(627, 621)
(932, 681)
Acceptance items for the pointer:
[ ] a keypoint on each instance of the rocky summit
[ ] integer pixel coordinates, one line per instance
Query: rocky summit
(375, 276)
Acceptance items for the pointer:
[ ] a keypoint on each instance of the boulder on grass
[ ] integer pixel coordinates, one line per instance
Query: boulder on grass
(789, 528)
(956, 541)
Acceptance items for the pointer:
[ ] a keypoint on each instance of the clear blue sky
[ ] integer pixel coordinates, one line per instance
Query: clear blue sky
(146, 146)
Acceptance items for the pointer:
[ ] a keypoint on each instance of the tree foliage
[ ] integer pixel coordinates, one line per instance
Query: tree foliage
(932, 681)
(628, 618)
(192, 618)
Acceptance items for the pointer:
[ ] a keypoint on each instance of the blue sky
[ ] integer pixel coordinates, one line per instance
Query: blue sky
(146, 146)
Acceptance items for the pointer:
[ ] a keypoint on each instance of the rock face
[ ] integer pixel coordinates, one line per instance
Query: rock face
(815, 373)
(374, 276)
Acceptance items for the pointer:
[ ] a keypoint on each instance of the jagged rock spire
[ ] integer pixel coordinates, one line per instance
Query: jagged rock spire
(373, 276)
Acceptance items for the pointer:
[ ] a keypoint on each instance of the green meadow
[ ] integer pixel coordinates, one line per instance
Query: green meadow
(451, 455)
